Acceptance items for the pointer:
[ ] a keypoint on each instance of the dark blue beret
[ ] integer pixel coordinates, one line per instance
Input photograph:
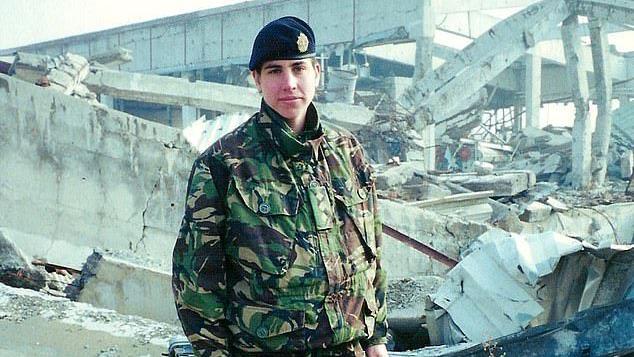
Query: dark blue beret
(283, 39)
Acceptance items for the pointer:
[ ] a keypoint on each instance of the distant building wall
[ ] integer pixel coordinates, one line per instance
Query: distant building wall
(221, 36)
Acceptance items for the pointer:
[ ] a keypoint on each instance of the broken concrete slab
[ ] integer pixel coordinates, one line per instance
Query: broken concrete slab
(471, 206)
(502, 183)
(536, 212)
(173, 91)
(127, 288)
(448, 234)
(112, 58)
(483, 168)
(30, 67)
(509, 222)
(599, 225)
(394, 175)
(556, 205)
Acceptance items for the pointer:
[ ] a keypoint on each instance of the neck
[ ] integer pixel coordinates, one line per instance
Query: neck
(297, 124)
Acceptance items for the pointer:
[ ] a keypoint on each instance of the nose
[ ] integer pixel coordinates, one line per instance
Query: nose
(290, 82)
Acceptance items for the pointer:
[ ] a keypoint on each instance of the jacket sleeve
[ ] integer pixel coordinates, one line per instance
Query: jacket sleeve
(380, 281)
(198, 275)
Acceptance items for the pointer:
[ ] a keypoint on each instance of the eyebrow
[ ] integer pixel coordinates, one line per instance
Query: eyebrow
(294, 64)
(268, 66)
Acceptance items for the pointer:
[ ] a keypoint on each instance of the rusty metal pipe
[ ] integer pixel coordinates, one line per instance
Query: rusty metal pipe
(419, 246)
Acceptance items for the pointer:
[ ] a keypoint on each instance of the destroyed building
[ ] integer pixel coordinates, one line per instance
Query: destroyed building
(503, 146)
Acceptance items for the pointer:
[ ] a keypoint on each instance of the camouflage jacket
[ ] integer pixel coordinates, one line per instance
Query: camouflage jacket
(280, 249)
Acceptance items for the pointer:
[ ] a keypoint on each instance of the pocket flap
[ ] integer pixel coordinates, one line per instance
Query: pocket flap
(269, 198)
(265, 322)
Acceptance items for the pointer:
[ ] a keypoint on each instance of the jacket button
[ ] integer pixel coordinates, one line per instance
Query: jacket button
(313, 184)
(264, 208)
(262, 332)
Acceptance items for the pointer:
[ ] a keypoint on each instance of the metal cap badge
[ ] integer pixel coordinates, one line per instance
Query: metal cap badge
(302, 42)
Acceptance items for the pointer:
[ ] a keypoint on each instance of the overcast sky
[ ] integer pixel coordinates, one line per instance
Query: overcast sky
(23, 22)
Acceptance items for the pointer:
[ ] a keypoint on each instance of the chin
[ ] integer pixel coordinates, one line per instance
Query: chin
(291, 112)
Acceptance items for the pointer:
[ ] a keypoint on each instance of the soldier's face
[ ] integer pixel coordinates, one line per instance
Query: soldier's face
(288, 86)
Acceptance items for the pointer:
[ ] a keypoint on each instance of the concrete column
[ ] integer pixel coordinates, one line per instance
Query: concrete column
(518, 109)
(533, 90)
(424, 52)
(581, 134)
(106, 100)
(189, 114)
(429, 152)
(425, 42)
(603, 84)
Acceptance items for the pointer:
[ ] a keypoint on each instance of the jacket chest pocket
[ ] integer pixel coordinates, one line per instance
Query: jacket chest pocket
(358, 207)
(261, 225)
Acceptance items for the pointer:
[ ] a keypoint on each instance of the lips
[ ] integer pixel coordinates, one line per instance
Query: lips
(289, 99)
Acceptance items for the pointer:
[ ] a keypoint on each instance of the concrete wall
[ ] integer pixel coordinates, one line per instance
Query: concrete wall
(87, 175)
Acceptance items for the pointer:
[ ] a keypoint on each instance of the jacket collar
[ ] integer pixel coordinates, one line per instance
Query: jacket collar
(289, 143)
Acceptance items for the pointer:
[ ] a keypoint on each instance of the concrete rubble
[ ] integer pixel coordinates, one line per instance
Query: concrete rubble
(64, 73)
(117, 284)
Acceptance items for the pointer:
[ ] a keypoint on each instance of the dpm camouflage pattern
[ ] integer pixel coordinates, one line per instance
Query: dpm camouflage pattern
(280, 253)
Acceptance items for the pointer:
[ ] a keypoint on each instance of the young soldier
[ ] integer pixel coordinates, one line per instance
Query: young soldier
(279, 252)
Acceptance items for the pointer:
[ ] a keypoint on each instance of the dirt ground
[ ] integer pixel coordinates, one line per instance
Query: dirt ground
(35, 324)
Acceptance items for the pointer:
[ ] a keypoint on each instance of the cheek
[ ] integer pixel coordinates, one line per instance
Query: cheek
(269, 88)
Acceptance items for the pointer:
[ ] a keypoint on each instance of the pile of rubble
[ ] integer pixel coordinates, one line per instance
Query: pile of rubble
(555, 257)
(64, 73)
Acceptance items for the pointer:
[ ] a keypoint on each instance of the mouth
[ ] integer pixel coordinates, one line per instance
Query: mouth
(289, 99)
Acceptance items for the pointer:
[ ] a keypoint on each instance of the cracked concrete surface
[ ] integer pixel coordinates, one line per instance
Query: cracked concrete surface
(92, 172)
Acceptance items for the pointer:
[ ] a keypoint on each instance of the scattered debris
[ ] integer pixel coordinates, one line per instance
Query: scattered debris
(15, 268)
(508, 282)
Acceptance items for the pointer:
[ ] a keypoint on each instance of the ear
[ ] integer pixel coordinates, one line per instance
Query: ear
(317, 71)
(256, 79)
